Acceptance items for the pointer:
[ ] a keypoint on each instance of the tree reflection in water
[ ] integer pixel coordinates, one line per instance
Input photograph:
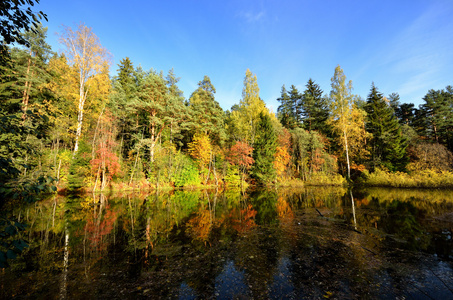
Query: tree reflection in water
(294, 244)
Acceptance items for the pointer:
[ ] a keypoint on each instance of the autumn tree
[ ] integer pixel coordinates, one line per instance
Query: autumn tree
(105, 162)
(240, 154)
(200, 149)
(247, 115)
(282, 153)
(346, 119)
(86, 54)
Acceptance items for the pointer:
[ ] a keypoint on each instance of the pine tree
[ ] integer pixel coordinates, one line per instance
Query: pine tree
(264, 151)
(436, 116)
(315, 109)
(206, 114)
(285, 110)
(295, 103)
(388, 147)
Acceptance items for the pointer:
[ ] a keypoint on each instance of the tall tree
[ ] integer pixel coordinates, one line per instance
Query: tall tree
(437, 116)
(85, 53)
(315, 110)
(152, 105)
(179, 119)
(342, 112)
(247, 115)
(207, 115)
(264, 151)
(295, 103)
(285, 110)
(388, 147)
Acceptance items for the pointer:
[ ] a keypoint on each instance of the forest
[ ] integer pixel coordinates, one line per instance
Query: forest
(67, 121)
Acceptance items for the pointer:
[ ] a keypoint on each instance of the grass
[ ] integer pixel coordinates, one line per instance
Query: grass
(326, 179)
(418, 179)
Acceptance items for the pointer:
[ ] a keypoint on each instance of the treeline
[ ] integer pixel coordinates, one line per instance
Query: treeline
(65, 117)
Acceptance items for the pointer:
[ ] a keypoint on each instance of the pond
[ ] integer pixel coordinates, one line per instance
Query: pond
(320, 242)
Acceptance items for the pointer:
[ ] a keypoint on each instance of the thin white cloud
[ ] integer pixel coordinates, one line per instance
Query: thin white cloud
(252, 17)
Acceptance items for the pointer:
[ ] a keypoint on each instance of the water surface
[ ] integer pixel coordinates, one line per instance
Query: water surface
(266, 244)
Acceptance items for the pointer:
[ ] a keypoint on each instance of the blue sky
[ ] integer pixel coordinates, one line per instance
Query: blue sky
(401, 46)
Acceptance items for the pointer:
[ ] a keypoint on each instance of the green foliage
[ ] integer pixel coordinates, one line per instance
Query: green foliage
(206, 115)
(187, 173)
(436, 116)
(264, 151)
(388, 145)
(286, 113)
(10, 245)
(80, 168)
(314, 108)
(15, 17)
(232, 177)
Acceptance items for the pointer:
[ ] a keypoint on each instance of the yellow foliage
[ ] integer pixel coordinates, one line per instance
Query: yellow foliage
(282, 159)
(200, 149)
(420, 179)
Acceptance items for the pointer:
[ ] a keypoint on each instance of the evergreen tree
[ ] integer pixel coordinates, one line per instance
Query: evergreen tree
(388, 146)
(206, 114)
(178, 118)
(295, 103)
(315, 111)
(126, 77)
(264, 151)
(436, 116)
(125, 91)
(285, 110)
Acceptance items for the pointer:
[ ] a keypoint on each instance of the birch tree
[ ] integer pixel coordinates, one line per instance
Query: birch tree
(86, 54)
(341, 108)
(247, 116)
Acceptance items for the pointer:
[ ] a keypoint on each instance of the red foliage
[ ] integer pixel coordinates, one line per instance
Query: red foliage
(240, 154)
(105, 161)
(245, 220)
(284, 139)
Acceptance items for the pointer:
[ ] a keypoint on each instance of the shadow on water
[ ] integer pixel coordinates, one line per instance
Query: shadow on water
(269, 244)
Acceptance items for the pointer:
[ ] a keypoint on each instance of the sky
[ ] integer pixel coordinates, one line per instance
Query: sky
(401, 46)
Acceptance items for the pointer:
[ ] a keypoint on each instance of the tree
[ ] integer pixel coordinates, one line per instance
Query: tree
(388, 147)
(13, 19)
(247, 116)
(240, 154)
(206, 114)
(314, 108)
(295, 102)
(282, 156)
(264, 150)
(86, 54)
(105, 163)
(152, 105)
(436, 116)
(346, 119)
(179, 118)
(285, 110)
(200, 149)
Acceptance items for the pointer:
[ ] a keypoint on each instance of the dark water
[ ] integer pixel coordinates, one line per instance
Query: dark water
(278, 244)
